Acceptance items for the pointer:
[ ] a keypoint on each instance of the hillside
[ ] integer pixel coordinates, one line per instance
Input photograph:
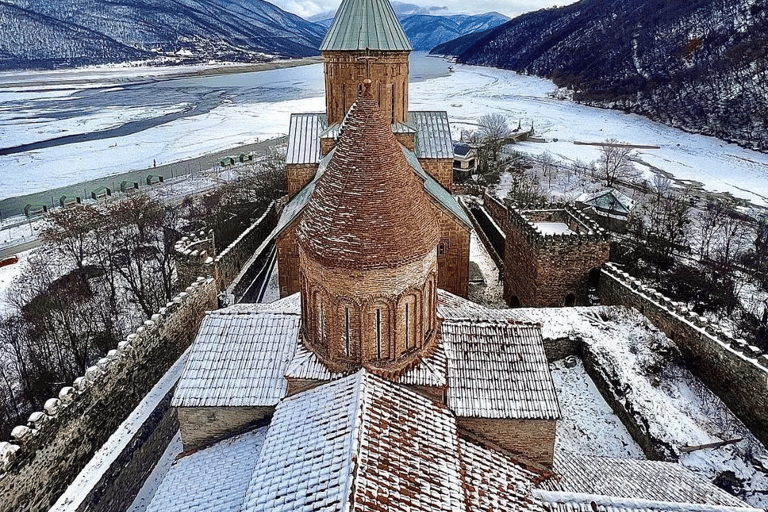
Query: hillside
(700, 65)
(44, 34)
(428, 27)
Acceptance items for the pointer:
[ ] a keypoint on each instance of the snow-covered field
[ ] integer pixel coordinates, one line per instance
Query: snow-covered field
(245, 114)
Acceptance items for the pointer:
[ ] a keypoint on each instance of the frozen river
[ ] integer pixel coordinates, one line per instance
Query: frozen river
(57, 130)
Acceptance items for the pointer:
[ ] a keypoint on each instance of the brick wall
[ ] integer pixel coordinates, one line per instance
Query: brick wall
(530, 439)
(453, 254)
(732, 369)
(200, 426)
(298, 175)
(453, 264)
(407, 139)
(44, 457)
(441, 169)
(344, 72)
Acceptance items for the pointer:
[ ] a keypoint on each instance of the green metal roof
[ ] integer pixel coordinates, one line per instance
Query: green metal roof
(366, 24)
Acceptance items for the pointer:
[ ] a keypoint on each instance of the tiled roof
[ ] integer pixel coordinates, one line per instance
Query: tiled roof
(212, 479)
(493, 482)
(358, 443)
(304, 138)
(352, 220)
(296, 205)
(635, 479)
(436, 190)
(433, 134)
(239, 359)
(575, 502)
(453, 307)
(307, 459)
(366, 24)
(498, 370)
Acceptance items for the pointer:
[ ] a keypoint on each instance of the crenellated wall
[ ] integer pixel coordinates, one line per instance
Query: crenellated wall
(730, 367)
(44, 456)
(195, 256)
(548, 270)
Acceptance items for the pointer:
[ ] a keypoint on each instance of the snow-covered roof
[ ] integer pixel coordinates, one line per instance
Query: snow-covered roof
(433, 134)
(498, 370)
(238, 359)
(216, 477)
(632, 479)
(578, 502)
(453, 307)
(492, 481)
(360, 440)
(304, 138)
(608, 201)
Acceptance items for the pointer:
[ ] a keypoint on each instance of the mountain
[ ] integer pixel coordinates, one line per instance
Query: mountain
(42, 33)
(427, 27)
(701, 65)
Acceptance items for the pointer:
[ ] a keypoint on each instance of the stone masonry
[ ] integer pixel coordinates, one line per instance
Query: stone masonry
(731, 368)
(545, 270)
(45, 455)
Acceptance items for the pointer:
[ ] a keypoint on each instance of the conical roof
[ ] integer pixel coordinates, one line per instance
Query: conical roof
(366, 24)
(369, 209)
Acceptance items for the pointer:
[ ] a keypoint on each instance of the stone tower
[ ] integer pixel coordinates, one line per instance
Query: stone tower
(366, 41)
(367, 253)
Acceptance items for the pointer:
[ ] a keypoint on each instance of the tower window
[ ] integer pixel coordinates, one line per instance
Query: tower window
(346, 332)
(407, 327)
(378, 333)
(393, 103)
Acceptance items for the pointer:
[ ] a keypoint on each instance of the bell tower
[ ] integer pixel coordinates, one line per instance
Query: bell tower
(368, 253)
(366, 41)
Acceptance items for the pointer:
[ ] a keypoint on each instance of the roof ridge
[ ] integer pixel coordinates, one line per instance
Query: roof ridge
(634, 503)
(354, 446)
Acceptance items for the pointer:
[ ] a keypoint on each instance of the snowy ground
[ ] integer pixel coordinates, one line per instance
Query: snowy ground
(678, 408)
(264, 112)
(589, 425)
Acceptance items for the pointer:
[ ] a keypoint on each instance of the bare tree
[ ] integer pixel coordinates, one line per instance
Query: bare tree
(614, 163)
(71, 230)
(494, 131)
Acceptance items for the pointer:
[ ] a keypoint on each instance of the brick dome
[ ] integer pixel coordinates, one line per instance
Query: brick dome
(369, 209)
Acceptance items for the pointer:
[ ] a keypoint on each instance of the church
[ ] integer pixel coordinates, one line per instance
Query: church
(373, 384)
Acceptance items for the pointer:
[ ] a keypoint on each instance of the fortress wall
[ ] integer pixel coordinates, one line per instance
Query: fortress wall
(731, 368)
(44, 456)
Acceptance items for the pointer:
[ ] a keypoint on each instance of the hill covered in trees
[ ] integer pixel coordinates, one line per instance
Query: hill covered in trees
(45, 34)
(700, 65)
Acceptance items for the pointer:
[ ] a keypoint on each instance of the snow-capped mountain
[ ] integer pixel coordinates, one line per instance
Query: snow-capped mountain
(427, 27)
(701, 65)
(44, 33)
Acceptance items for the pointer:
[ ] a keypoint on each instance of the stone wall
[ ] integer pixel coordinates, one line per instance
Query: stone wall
(193, 256)
(497, 211)
(298, 175)
(45, 456)
(201, 426)
(545, 270)
(491, 235)
(441, 169)
(194, 253)
(288, 259)
(735, 371)
(530, 439)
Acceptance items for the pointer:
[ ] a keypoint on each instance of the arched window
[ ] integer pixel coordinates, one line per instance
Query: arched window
(570, 300)
(379, 328)
(349, 329)
(393, 104)
(407, 324)
(514, 302)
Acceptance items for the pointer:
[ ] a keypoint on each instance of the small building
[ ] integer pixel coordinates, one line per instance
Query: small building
(608, 203)
(65, 201)
(227, 161)
(552, 256)
(101, 192)
(127, 186)
(464, 158)
(245, 157)
(35, 210)
(154, 179)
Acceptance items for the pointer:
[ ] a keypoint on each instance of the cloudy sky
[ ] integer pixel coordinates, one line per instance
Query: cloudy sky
(511, 8)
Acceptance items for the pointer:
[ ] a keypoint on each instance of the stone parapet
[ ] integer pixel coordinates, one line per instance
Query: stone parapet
(730, 367)
(44, 456)
(194, 256)
(523, 218)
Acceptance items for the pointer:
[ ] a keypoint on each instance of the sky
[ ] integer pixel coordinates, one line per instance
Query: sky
(511, 8)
